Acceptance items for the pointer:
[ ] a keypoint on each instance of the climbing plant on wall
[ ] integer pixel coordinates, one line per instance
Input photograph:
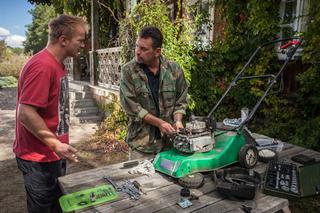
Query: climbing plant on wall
(295, 119)
(178, 34)
(246, 27)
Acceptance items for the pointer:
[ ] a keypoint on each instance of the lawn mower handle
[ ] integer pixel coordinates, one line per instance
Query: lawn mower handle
(293, 44)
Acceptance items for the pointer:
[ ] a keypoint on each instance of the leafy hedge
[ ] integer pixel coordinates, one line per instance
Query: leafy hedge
(8, 81)
(178, 34)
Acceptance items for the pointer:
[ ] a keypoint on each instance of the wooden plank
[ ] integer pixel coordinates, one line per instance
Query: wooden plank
(153, 185)
(202, 202)
(92, 177)
(263, 204)
(221, 206)
(127, 204)
(291, 150)
(169, 198)
(269, 204)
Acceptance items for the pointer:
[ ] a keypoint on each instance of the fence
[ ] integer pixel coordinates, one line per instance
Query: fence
(69, 65)
(108, 65)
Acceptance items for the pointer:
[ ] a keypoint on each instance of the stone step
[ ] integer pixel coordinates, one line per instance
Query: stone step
(79, 95)
(86, 111)
(87, 102)
(78, 86)
(86, 119)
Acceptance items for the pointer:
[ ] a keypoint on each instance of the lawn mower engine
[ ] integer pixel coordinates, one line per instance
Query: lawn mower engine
(196, 137)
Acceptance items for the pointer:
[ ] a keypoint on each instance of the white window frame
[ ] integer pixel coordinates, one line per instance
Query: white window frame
(297, 25)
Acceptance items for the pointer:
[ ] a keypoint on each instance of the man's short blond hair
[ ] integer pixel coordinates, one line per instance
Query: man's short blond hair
(64, 25)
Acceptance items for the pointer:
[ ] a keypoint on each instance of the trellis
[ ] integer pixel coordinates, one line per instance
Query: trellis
(108, 66)
(69, 66)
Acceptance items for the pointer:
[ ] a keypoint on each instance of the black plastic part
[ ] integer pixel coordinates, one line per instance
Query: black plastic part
(130, 164)
(248, 137)
(246, 209)
(303, 159)
(242, 191)
(243, 156)
(185, 192)
(238, 182)
(192, 181)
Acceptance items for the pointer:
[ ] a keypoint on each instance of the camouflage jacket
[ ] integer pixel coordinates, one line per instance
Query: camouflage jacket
(137, 101)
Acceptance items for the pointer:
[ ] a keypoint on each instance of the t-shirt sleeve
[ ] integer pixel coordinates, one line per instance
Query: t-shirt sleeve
(36, 86)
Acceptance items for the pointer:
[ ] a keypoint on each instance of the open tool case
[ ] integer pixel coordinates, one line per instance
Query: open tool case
(288, 180)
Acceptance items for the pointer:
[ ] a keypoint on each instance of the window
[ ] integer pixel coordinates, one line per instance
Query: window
(293, 14)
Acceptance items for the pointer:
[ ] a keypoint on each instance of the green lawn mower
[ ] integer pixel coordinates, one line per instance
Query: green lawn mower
(205, 145)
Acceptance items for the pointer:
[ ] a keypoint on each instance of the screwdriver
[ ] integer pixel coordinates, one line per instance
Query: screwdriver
(138, 186)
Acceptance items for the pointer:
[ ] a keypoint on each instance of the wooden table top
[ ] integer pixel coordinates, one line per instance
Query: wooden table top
(163, 192)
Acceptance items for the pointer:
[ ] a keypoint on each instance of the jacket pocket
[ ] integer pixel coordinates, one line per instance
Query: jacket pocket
(168, 96)
(143, 96)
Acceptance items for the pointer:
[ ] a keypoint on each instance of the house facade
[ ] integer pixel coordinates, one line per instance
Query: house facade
(101, 71)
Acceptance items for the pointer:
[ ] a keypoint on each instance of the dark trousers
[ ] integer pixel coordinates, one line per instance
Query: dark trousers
(41, 184)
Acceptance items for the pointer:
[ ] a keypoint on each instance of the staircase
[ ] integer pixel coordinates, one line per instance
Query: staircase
(83, 108)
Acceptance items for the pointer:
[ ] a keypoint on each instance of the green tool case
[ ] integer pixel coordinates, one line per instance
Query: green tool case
(88, 197)
(288, 180)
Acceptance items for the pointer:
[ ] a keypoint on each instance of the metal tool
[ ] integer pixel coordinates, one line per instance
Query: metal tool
(116, 186)
(131, 190)
(127, 187)
(138, 186)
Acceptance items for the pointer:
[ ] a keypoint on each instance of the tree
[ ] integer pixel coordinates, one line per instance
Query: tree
(2, 49)
(110, 12)
(37, 31)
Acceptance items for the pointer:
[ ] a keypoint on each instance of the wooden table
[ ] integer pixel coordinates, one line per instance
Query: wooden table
(163, 192)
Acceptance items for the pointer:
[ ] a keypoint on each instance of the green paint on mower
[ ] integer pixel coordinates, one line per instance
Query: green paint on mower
(178, 164)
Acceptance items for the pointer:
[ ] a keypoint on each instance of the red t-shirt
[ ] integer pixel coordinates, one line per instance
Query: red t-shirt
(43, 83)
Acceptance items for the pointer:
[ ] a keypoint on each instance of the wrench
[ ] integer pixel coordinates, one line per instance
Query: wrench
(117, 188)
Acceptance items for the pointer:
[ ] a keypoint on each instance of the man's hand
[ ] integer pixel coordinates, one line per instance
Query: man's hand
(166, 128)
(66, 151)
(34, 123)
(178, 125)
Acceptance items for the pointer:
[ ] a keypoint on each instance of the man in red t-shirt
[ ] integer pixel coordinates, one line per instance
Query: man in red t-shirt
(42, 115)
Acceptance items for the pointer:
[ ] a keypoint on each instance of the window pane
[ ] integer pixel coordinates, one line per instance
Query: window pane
(290, 12)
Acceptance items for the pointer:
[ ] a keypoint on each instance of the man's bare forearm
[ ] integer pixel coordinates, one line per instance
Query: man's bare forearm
(164, 126)
(31, 120)
(178, 117)
(153, 120)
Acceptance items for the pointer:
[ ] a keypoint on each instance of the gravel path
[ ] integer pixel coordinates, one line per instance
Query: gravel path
(12, 193)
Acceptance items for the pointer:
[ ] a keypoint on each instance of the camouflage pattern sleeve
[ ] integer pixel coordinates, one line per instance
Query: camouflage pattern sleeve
(182, 90)
(128, 96)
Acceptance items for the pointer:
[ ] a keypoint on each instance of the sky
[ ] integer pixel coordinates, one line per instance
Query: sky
(13, 18)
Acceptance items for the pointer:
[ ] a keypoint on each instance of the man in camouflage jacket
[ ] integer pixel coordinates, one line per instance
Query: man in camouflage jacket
(153, 93)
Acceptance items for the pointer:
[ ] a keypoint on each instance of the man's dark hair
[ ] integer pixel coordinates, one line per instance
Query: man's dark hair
(154, 33)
